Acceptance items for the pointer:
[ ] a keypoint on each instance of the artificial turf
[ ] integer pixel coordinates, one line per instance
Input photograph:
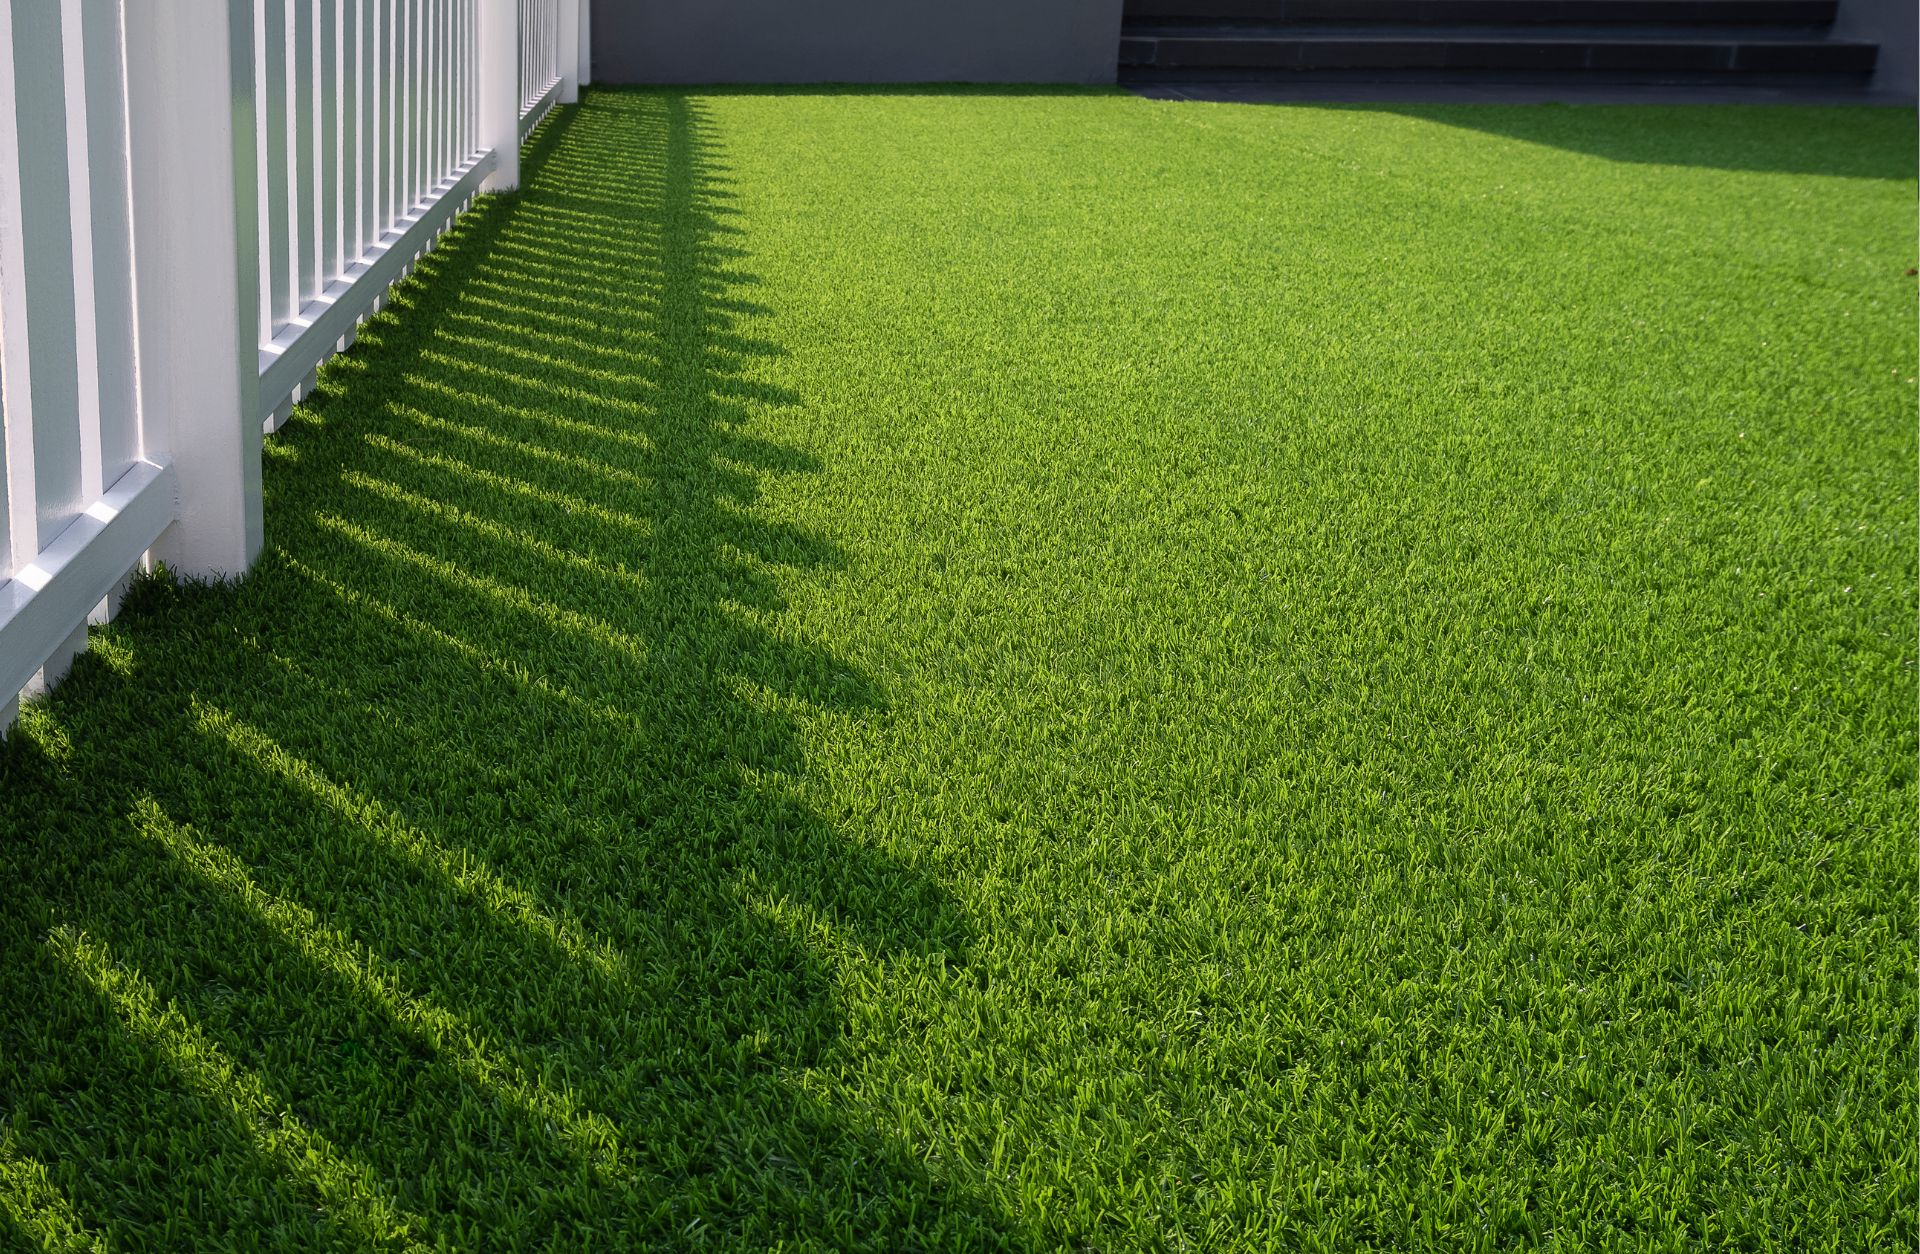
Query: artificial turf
(972, 669)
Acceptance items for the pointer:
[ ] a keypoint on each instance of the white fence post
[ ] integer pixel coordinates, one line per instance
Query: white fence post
(586, 43)
(568, 51)
(196, 239)
(500, 91)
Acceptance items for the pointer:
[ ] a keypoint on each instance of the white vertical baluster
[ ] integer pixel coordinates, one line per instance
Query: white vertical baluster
(370, 224)
(392, 18)
(470, 69)
(462, 65)
(442, 89)
(499, 96)
(430, 94)
(304, 157)
(49, 369)
(112, 239)
(275, 160)
(396, 102)
(327, 134)
(352, 241)
(60, 421)
(85, 421)
(263, 167)
(463, 69)
(18, 538)
(111, 231)
(417, 117)
(474, 68)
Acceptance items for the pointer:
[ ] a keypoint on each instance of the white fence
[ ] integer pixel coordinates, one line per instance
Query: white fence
(546, 26)
(171, 276)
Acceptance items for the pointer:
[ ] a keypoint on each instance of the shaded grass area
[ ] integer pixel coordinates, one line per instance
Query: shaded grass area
(969, 670)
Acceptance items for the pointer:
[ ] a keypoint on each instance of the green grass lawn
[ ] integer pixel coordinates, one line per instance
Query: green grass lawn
(1042, 670)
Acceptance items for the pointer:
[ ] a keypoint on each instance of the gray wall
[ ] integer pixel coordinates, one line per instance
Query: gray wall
(856, 41)
(1895, 26)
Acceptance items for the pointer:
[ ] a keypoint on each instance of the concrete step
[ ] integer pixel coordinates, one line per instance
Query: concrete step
(1259, 51)
(1741, 13)
(1483, 31)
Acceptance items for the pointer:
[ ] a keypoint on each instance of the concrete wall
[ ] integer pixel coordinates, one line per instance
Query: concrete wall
(1895, 26)
(856, 41)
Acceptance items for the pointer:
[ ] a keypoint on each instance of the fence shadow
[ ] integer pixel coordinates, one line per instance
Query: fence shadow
(449, 880)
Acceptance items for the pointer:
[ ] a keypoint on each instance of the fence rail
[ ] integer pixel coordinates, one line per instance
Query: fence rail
(366, 125)
(77, 492)
(546, 28)
(171, 276)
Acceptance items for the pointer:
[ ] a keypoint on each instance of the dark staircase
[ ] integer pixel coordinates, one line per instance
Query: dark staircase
(1768, 43)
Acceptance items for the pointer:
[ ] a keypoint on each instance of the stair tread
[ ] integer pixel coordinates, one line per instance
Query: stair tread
(1462, 32)
(1693, 13)
(1484, 89)
(1595, 4)
(1717, 7)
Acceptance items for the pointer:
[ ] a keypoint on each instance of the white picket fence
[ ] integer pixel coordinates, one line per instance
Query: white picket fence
(541, 71)
(200, 201)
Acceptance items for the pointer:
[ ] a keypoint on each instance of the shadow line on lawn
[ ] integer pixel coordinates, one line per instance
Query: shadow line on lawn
(464, 836)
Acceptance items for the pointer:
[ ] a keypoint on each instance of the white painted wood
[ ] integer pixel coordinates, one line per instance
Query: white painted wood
(50, 418)
(416, 104)
(567, 49)
(459, 63)
(500, 91)
(392, 191)
(469, 75)
(111, 225)
(430, 84)
(66, 348)
(150, 237)
(442, 85)
(534, 54)
(538, 109)
(50, 598)
(369, 179)
(276, 106)
(332, 256)
(194, 180)
(304, 159)
(347, 56)
(541, 73)
(584, 74)
(6, 523)
(109, 607)
(58, 662)
(18, 538)
(86, 481)
(417, 117)
(286, 361)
